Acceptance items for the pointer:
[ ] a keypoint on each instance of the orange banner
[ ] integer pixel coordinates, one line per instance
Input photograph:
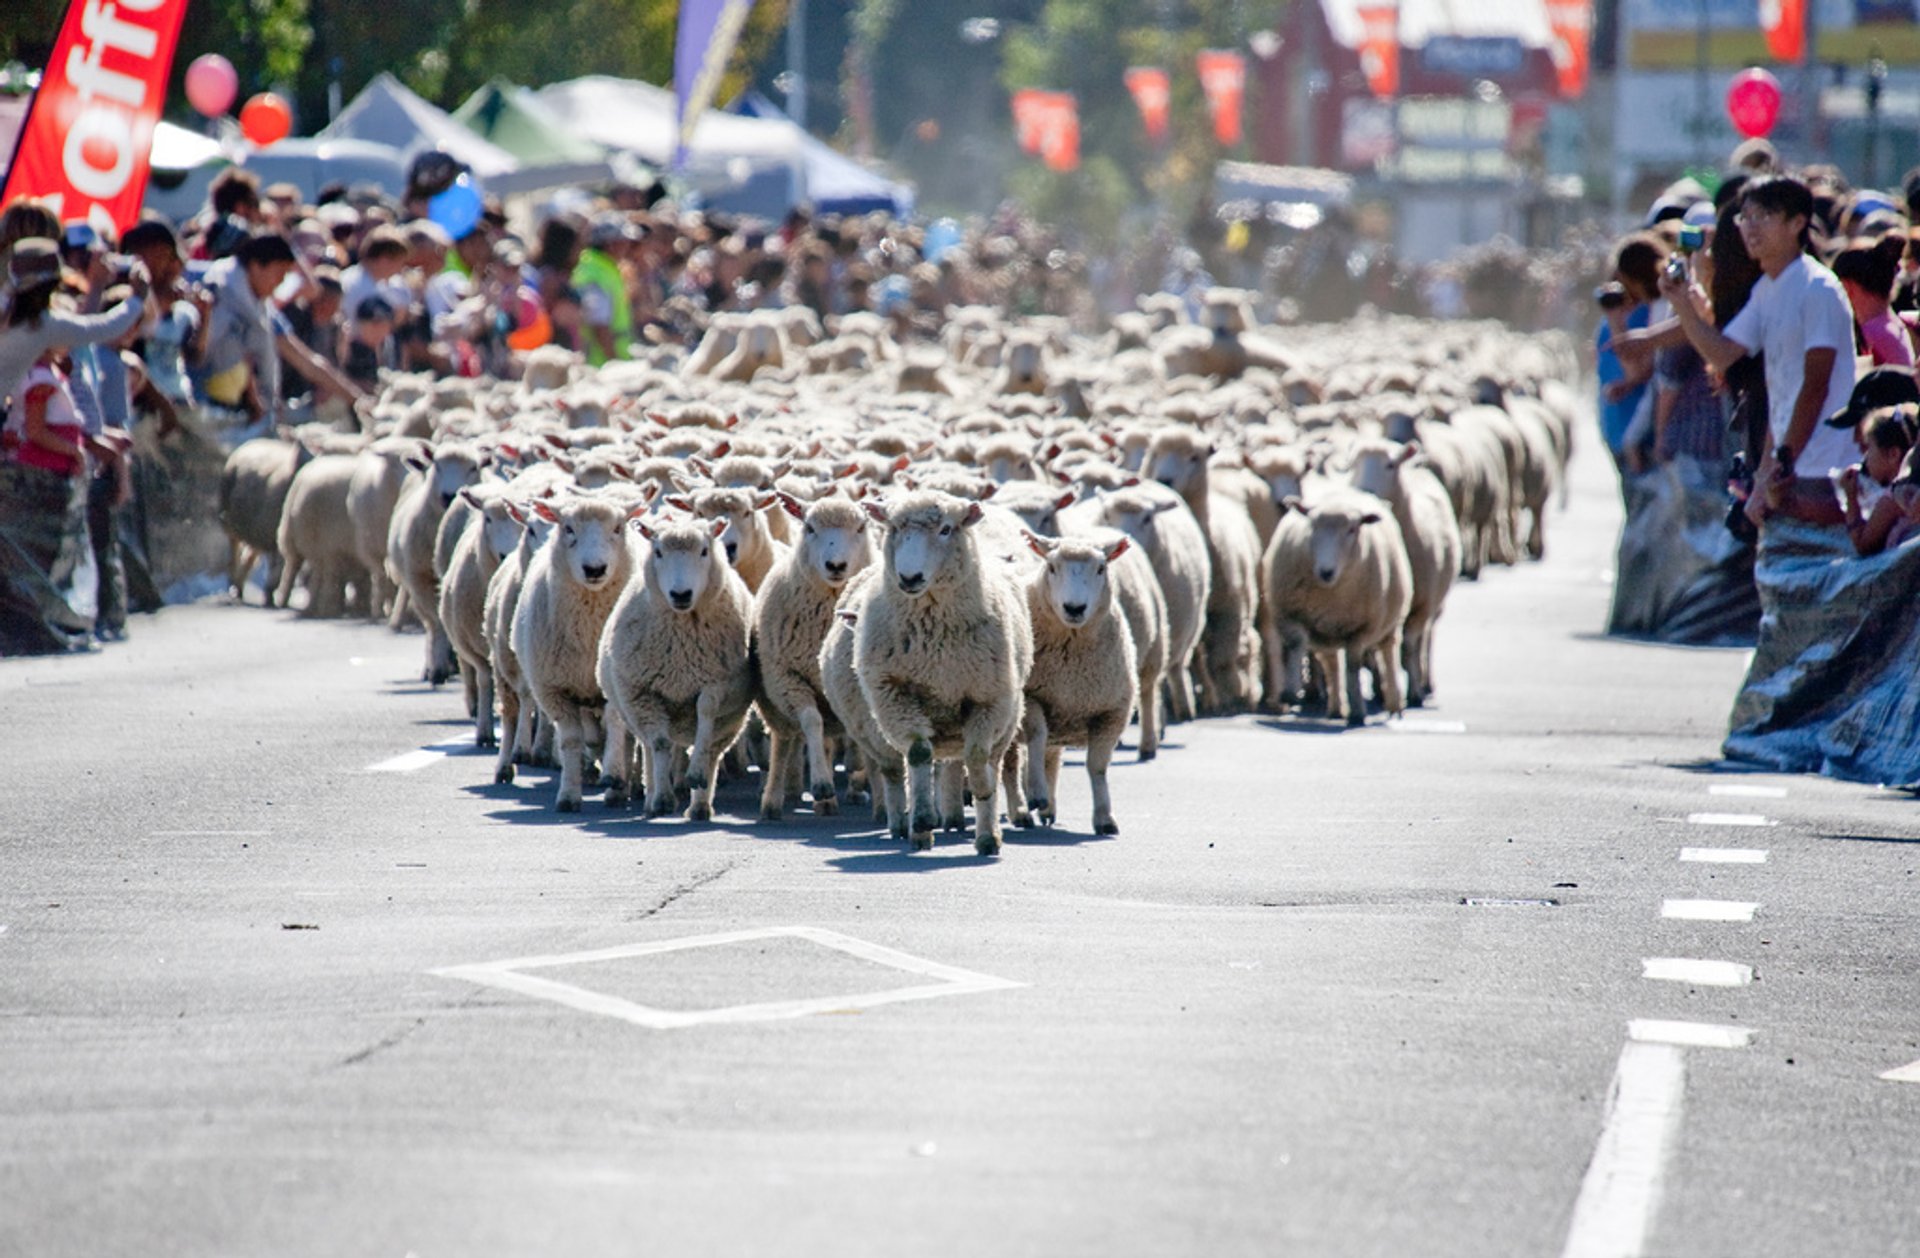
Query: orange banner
(1028, 104)
(88, 140)
(1785, 22)
(1380, 48)
(1572, 23)
(1153, 93)
(1223, 77)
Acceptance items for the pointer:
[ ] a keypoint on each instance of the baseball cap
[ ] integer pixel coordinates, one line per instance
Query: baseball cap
(35, 263)
(1883, 386)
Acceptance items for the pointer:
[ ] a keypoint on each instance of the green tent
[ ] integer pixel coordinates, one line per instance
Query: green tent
(549, 155)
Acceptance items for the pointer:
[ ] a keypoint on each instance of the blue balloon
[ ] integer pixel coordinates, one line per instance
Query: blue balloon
(457, 209)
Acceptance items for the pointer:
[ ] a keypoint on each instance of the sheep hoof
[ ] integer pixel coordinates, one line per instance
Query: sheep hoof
(1148, 753)
(617, 795)
(954, 823)
(700, 812)
(770, 812)
(922, 840)
(567, 804)
(503, 776)
(1357, 720)
(824, 804)
(987, 844)
(898, 833)
(658, 808)
(1040, 804)
(1105, 827)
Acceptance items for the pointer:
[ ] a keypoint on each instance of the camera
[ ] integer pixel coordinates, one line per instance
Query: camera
(1677, 269)
(1610, 296)
(1784, 457)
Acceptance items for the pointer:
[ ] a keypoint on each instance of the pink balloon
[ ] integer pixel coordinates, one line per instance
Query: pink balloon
(212, 84)
(1753, 102)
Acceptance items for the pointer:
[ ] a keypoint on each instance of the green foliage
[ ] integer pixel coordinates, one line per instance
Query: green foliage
(1094, 198)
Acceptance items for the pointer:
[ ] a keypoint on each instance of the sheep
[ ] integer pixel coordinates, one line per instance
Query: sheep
(1137, 593)
(517, 707)
(1024, 365)
(943, 650)
(673, 662)
(840, 684)
(761, 345)
(463, 596)
(1229, 674)
(1176, 547)
(570, 590)
(1336, 575)
(253, 496)
(745, 538)
(1082, 688)
(377, 482)
(314, 534)
(1425, 515)
(791, 616)
(411, 537)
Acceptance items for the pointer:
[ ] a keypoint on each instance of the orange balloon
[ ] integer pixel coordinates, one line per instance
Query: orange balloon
(265, 119)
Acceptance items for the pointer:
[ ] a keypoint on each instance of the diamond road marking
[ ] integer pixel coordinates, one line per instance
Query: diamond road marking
(511, 976)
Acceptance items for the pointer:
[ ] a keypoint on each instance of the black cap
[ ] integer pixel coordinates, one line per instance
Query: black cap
(150, 234)
(374, 310)
(1883, 386)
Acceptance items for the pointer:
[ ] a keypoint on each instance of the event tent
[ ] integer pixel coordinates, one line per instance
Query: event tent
(308, 163)
(387, 112)
(548, 152)
(836, 184)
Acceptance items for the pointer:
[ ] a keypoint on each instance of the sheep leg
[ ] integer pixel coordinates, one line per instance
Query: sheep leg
(773, 786)
(951, 792)
(981, 773)
(1208, 699)
(469, 684)
(1279, 687)
(703, 765)
(814, 730)
(1179, 681)
(1100, 744)
(402, 605)
(1388, 675)
(1053, 773)
(1330, 664)
(543, 737)
(290, 565)
(1348, 664)
(510, 735)
(1013, 772)
(658, 749)
(1149, 692)
(1039, 794)
(237, 571)
(618, 759)
(572, 737)
(483, 703)
(890, 778)
(925, 816)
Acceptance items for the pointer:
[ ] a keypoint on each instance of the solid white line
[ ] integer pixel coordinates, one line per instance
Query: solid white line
(1699, 973)
(1905, 1074)
(1708, 910)
(1621, 1191)
(1728, 819)
(1725, 855)
(1688, 1034)
(1749, 792)
(432, 753)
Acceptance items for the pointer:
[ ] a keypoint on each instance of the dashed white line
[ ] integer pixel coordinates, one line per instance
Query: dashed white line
(1748, 792)
(207, 834)
(411, 761)
(1906, 1074)
(1621, 1190)
(1698, 973)
(1728, 819)
(1725, 855)
(1405, 726)
(1688, 1034)
(1709, 910)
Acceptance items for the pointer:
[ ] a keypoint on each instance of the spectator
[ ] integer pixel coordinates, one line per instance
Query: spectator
(34, 268)
(314, 319)
(383, 257)
(370, 344)
(239, 359)
(606, 308)
(1799, 317)
(1626, 305)
(176, 320)
(22, 218)
(1885, 437)
(1866, 269)
(234, 199)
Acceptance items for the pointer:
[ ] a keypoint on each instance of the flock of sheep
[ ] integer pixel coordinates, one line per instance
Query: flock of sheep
(936, 566)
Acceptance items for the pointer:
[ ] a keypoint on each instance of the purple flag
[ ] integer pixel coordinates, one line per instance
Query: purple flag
(708, 31)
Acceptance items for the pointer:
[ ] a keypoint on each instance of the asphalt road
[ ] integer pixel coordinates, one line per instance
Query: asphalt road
(1328, 993)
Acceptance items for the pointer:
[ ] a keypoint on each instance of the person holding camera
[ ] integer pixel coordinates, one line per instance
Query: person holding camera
(1626, 305)
(1798, 316)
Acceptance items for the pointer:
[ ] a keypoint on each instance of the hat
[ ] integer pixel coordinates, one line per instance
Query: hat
(35, 263)
(150, 234)
(1883, 386)
(373, 310)
(1699, 214)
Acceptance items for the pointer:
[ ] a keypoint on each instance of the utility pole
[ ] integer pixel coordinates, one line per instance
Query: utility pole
(1702, 92)
(797, 62)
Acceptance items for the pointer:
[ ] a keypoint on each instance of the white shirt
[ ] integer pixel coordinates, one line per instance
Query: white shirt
(357, 285)
(1803, 308)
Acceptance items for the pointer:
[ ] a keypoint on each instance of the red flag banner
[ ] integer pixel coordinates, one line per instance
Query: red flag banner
(1153, 93)
(1047, 125)
(1028, 104)
(88, 140)
(1785, 22)
(1223, 78)
(1572, 23)
(1380, 48)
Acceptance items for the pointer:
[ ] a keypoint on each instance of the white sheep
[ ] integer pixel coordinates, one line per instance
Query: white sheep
(943, 651)
(1176, 547)
(1425, 515)
(1082, 688)
(886, 767)
(1228, 663)
(253, 497)
(314, 536)
(377, 481)
(412, 535)
(571, 587)
(745, 538)
(673, 662)
(792, 613)
(495, 534)
(1337, 578)
(518, 710)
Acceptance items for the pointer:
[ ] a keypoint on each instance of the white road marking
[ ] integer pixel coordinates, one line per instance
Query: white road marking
(207, 834)
(1748, 792)
(1728, 819)
(507, 975)
(432, 753)
(1905, 1074)
(1405, 726)
(1725, 855)
(1708, 910)
(1688, 1034)
(355, 660)
(1699, 973)
(1621, 1191)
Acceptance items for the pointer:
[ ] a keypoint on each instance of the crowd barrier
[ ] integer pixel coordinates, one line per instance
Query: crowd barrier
(1680, 576)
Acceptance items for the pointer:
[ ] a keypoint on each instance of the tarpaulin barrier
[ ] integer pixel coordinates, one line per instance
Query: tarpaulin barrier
(1680, 576)
(1834, 686)
(177, 499)
(48, 580)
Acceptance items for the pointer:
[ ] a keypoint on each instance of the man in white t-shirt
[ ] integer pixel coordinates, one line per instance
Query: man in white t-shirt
(1799, 318)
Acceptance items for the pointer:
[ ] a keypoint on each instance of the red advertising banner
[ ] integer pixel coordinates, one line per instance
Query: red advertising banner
(1047, 125)
(1028, 104)
(90, 135)
(1223, 78)
(1153, 93)
(1380, 48)
(1785, 23)
(1572, 23)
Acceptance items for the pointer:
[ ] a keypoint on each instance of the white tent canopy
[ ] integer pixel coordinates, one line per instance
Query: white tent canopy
(386, 112)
